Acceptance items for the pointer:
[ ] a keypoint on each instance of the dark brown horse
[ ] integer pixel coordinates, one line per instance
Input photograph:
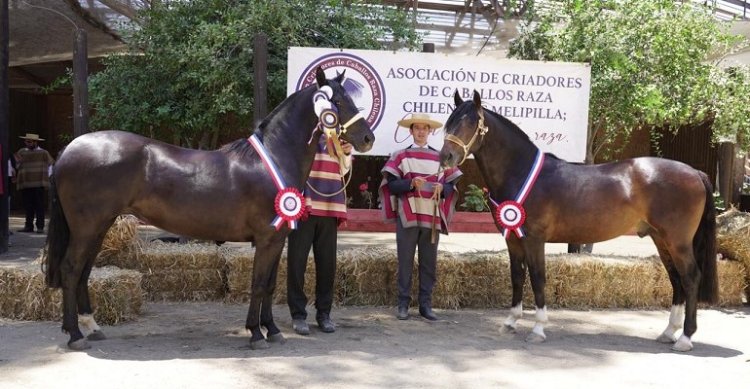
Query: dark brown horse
(222, 195)
(568, 203)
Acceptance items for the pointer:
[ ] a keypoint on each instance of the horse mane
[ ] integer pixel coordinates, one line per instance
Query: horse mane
(239, 148)
(515, 129)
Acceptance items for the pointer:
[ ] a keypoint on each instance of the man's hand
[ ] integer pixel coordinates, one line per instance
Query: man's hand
(417, 183)
(346, 147)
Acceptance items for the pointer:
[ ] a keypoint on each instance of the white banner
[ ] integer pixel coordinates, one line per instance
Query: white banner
(547, 100)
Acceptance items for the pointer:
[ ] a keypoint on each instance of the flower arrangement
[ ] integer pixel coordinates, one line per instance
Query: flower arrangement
(475, 199)
(365, 193)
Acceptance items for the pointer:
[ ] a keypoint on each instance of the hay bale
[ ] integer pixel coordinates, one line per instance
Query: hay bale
(182, 272)
(475, 280)
(733, 239)
(367, 276)
(588, 281)
(121, 244)
(116, 295)
(239, 272)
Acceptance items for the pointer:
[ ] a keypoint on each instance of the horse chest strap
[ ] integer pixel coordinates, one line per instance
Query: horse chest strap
(511, 214)
(289, 203)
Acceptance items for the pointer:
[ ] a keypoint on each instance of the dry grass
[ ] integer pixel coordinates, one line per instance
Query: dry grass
(116, 294)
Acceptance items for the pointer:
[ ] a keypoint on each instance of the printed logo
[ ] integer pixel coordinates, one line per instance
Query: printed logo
(363, 84)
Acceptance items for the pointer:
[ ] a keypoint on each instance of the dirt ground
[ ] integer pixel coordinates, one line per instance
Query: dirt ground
(192, 345)
(198, 345)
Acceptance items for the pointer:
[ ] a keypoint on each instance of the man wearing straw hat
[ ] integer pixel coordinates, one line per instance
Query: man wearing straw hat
(420, 199)
(33, 169)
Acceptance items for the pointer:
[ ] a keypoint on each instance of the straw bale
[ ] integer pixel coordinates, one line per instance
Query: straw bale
(116, 294)
(588, 281)
(184, 284)
(477, 280)
(121, 244)
(239, 272)
(160, 256)
(367, 276)
(733, 239)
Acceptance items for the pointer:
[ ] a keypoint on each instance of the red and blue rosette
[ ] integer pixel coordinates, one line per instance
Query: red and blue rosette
(290, 207)
(511, 215)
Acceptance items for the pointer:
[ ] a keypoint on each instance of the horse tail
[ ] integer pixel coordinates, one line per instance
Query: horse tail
(704, 248)
(58, 236)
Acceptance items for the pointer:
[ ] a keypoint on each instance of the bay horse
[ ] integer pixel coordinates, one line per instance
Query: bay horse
(567, 203)
(221, 195)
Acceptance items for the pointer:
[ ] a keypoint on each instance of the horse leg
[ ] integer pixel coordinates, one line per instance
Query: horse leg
(517, 278)
(85, 314)
(689, 275)
(273, 333)
(72, 271)
(265, 263)
(86, 321)
(538, 276)
(677, 312)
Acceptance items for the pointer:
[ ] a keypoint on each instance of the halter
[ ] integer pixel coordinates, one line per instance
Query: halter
(329, 124)
(480, 130)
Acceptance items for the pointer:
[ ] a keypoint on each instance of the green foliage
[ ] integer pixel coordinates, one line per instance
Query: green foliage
(189, 70)
(475, 199)
(650, 64)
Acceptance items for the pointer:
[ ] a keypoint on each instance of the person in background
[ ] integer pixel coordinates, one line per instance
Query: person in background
(32, 177)
(326, 202)
(421, 203)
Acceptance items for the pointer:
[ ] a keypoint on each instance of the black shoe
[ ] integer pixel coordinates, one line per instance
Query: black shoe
(403, 312)
(26, 230)
(427, 313)
(300, 326)
(326, 324)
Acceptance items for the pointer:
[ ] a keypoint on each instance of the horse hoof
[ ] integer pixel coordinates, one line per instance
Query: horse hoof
(259, 345)
(663, 338)
(535, 338)
(79, 345)
(276, 338)
(96, 335)
(683, 344)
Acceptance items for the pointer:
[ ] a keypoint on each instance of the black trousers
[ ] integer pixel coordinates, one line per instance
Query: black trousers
(318, 232)
(33, 203)
(407, 242)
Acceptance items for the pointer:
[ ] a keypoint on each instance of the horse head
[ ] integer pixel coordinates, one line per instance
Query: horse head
(353, 127)
(464, 131)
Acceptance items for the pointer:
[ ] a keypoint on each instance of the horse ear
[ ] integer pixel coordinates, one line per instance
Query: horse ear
(477, 99)
(340, 76)
(320, 77)
(457, 98)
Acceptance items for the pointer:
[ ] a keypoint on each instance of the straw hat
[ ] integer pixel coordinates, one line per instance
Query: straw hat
(420, 118)
(31, 136)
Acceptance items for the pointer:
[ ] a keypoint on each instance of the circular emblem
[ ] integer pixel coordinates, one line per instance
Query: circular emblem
(329, 118)
(362, 82)
(510, 214)
(288, 204)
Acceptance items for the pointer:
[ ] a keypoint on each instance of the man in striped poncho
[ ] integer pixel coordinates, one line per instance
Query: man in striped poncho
(421, 202)
(326, 202)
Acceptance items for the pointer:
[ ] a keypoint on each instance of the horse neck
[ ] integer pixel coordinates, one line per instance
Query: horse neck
(504, 159)
(286, 134)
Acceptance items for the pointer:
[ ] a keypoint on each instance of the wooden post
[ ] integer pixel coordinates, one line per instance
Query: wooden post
(726, 157)
(428, 47)
(4, 123)
(260, 78)
(80, 84)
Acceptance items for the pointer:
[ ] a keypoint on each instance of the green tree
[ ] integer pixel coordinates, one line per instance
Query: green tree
(188, 75)
(653, 65)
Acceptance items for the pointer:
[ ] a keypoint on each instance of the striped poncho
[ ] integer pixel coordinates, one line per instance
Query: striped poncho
(325, 177)
(416, 209)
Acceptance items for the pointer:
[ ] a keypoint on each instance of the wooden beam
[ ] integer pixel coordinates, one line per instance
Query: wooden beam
(25, 74)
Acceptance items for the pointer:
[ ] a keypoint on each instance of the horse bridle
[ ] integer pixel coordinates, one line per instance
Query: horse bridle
(479, 131)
